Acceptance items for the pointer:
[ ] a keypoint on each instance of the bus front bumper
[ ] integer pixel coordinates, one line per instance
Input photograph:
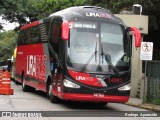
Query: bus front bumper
(93, 97)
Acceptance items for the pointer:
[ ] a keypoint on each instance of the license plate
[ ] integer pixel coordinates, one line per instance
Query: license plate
(98, 95)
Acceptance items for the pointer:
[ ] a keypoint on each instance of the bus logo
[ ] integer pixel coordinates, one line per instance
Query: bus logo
(100, 15)
(84, 78)
(36, 66)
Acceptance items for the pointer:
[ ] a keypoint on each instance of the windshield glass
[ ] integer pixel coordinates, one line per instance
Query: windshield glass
(89, 44)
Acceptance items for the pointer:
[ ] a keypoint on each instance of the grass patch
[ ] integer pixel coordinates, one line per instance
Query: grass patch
(154, 101)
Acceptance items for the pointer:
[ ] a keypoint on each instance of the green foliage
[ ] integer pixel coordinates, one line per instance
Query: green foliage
(154, 101)
(23, 12)
(50, 6)
(9, 9)
(7, 44)
(20, 11)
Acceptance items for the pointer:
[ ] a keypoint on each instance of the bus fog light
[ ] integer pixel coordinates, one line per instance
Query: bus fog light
(70, 84)
(125, 87)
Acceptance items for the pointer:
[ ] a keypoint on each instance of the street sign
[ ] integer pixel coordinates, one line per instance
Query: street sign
(146, 51)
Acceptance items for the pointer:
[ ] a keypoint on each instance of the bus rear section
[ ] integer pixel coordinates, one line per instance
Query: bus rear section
(32, 60)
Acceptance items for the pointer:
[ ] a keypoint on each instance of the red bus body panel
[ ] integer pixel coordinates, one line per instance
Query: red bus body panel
(31, 60)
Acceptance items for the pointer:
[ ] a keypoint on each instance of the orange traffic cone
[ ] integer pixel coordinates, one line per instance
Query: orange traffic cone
(6, 84)
(0, 81)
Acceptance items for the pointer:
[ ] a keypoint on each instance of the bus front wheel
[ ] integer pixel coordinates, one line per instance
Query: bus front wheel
(53, 98)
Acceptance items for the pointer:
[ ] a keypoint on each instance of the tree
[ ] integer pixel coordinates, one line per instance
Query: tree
(19, 11)
(7, 44)
(50, 6)
(24, 12)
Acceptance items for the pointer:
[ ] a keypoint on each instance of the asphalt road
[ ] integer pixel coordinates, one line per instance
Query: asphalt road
(37, 101)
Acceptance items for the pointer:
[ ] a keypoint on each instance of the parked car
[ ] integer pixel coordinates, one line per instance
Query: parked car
(3, 68)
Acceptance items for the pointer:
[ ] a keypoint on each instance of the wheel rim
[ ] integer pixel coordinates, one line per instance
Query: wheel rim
(50, 90)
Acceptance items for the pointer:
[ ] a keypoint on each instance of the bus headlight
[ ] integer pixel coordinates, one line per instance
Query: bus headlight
(125, 87)
(70, 84)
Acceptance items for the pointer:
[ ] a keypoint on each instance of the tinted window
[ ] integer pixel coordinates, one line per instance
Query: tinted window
(32, 35)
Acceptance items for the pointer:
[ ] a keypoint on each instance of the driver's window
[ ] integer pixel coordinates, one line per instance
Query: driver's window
(55, 34)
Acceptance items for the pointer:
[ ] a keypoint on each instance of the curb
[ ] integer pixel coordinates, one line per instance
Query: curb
(145, 106)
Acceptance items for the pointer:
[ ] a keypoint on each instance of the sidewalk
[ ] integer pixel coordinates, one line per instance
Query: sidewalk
(137, 102)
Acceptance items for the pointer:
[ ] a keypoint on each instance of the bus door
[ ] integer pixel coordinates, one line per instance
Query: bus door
(54, 51)
(53, 67)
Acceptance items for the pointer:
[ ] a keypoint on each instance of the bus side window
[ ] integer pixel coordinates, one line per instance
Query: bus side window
(34, 36)
(54, 35)
(20, 37)
(25, 39)
(28, 36)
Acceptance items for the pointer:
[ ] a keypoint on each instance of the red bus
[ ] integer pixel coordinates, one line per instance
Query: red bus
(77, 54)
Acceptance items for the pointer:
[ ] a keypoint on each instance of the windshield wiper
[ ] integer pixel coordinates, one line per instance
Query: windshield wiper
(108, 60)
(89, 60)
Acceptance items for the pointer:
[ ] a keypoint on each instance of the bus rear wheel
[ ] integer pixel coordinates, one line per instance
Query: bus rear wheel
(53, 98)
(25, 87)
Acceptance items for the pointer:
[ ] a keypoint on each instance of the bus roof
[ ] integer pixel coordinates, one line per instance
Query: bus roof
(71, 13)
(91, 12)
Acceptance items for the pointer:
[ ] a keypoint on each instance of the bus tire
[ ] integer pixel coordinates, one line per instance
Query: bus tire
(25, 87)
(52, 98)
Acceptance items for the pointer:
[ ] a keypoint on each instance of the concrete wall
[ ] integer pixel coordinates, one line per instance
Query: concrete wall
(136, 70)
(138, 21)
(141, 22)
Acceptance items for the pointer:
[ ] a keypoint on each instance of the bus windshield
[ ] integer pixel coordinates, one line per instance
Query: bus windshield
(97, 47)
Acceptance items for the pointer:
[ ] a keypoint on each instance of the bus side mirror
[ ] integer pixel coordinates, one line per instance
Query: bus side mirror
(137, 36)
(65, 30)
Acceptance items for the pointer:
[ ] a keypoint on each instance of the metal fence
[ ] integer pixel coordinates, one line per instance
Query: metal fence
(153, 80)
